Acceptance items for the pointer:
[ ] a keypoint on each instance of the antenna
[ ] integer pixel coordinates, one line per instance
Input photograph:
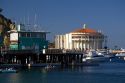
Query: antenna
(35, 18)
(28, 25)
(28, 19)
(24, 20)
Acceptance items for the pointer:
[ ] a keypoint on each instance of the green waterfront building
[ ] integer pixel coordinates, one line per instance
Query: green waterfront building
(22, 39)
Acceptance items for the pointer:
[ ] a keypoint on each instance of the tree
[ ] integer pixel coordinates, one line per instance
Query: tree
(6, 41)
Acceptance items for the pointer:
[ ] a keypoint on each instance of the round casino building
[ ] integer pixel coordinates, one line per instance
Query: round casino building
(80, 39)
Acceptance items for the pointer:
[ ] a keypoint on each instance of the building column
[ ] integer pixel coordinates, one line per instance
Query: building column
(84, 45)
(93, 44)
(88, 45)
(75, 44)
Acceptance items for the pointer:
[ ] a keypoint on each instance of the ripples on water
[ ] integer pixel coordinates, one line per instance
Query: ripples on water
(104, 73)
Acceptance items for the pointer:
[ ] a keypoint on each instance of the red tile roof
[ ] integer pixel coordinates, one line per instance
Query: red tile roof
(84, 30)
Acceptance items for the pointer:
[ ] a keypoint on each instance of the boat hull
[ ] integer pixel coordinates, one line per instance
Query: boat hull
(5, 71)
(97, 59)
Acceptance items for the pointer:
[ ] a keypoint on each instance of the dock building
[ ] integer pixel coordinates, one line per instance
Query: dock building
(22, 39)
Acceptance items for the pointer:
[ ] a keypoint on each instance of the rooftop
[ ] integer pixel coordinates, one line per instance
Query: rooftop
(84, 30)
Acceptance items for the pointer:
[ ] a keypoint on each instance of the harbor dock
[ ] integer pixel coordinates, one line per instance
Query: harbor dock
(56, 57)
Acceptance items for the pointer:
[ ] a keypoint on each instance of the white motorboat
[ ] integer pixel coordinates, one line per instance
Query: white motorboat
(120, 55)
(93, 56)
(8, 70)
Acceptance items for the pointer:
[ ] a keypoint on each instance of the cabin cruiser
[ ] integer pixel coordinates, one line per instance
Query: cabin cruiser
(94, 56)
(120, 55)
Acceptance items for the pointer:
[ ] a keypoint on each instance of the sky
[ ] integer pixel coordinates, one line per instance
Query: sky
(64, 16)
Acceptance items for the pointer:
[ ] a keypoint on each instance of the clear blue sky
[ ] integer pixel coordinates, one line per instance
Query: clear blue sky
(62, 16)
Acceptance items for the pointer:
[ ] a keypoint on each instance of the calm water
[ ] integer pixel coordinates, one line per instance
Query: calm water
(105, 73)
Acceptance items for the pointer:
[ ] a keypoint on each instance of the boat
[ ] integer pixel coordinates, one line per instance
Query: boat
(120, 55)
(49, 67)
(93, 56)
(8, 70)
(96, 58)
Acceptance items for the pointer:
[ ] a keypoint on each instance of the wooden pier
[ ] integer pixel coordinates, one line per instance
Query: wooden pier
(39, 57)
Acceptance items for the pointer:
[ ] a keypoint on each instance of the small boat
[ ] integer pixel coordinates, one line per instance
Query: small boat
(49, 67)
(8, 70)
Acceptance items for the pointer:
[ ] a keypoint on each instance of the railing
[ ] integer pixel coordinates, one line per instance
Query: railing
(62, 51)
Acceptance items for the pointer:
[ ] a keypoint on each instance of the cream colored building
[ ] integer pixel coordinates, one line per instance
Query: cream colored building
(80, 39)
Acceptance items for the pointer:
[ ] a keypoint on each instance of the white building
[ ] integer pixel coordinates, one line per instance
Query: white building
(84, 38)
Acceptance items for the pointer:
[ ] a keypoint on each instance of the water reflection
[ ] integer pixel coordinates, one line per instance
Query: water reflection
(44, 76)
(74, 74)
(13, 77)
(85, 69)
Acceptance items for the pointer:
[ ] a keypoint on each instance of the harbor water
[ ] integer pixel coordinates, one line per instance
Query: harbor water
(104, 73)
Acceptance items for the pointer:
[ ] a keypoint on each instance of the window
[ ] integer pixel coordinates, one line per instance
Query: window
(22, 34)
(28, 34)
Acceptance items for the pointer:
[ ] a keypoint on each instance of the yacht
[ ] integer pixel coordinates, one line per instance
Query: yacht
(93, 56)
(120, 55)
